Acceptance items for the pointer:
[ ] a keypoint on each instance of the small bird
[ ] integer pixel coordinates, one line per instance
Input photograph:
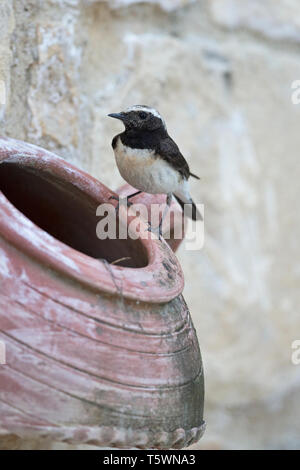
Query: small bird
(150, 161)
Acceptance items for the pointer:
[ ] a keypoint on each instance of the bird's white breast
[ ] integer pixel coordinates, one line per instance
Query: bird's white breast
(145, 170)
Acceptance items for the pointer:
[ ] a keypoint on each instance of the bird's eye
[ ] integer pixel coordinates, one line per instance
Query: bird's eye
(142, 115)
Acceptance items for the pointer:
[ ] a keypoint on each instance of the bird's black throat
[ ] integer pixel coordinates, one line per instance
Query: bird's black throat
(143, 139)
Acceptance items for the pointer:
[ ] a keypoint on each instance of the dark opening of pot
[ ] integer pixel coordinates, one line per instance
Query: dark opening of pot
(65, 212)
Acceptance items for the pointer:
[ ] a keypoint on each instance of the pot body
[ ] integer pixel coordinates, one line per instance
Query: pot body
(95, 353)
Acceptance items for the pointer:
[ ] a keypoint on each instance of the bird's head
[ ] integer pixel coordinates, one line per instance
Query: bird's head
(140, 118)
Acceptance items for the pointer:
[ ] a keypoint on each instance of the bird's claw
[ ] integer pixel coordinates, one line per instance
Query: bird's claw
(116, 198)
(156, 230)
(119, 199)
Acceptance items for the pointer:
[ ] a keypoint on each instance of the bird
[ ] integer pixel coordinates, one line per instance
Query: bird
(150, 161)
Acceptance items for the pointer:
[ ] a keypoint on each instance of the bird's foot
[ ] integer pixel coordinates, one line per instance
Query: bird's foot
(120, 202)
(156, 230)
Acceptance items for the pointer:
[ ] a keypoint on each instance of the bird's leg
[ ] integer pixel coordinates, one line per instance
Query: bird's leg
(116, 198)
(168, 201)
(158, 230)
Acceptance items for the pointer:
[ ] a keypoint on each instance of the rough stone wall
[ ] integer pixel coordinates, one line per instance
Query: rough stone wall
(220, 71)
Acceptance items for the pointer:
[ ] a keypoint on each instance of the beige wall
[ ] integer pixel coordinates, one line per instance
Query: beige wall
(220, 71)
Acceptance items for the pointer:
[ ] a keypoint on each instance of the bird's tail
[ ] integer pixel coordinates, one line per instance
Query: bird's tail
(189, 207)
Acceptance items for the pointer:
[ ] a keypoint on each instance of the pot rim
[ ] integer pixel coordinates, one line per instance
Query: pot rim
(151, 283)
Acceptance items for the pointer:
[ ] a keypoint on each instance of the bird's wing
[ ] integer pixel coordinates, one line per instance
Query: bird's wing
(169, 151)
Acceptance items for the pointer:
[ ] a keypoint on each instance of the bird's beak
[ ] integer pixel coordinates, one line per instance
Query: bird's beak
(120, 116)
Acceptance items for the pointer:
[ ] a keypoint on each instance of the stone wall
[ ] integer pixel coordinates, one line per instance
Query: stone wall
(220, 71)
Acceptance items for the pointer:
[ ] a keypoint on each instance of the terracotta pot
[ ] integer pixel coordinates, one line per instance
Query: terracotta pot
(96, 353)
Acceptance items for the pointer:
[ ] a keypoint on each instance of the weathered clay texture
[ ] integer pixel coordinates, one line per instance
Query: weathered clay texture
(220, 71)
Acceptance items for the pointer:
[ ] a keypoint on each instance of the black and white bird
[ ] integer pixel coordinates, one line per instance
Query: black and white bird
(150, 161)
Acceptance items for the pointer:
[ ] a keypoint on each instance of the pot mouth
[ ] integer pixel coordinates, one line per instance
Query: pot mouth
(48, 210)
